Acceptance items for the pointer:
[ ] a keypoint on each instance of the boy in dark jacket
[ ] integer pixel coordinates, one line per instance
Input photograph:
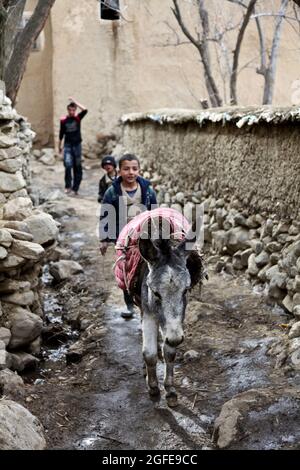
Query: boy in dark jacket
(109, 165)
(70, 132)
(128, 196)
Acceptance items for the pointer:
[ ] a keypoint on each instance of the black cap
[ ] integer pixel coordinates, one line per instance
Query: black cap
(108, 160)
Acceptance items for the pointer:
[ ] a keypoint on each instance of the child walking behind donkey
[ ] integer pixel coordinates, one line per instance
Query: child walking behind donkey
(128, 196)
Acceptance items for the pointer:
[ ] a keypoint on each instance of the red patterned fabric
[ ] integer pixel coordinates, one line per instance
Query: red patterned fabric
(128, 259)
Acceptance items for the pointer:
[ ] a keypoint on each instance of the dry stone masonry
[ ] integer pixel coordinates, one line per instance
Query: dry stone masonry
(243, 165)
(27, 236)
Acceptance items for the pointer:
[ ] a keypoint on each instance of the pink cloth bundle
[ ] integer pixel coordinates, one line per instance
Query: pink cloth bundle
(127, 251)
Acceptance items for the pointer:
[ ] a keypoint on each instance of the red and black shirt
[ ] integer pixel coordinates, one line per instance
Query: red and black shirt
(70, 128)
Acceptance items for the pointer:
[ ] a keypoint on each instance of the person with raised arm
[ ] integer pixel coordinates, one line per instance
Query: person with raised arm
(70, 133)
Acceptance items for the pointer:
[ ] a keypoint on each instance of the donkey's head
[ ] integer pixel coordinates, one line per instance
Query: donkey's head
(168, 281)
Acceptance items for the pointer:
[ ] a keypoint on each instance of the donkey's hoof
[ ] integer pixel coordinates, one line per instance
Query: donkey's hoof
(154, 392)
(172, 400)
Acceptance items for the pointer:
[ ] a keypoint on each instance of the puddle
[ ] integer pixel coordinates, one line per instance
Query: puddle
(52, 309)
(249, 369)
(88, 442)
(259, 289)
(77, 245)
(56, 355)
(189, 425)
(46, 276)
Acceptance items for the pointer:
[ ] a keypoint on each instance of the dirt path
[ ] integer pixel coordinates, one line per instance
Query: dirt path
(101, 402)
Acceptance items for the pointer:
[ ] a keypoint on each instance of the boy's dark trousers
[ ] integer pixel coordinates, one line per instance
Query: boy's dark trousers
(72, 162)
(128, 301)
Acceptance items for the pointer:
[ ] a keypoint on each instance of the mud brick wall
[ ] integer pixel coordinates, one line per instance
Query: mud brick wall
(258, 164)
(244, 166)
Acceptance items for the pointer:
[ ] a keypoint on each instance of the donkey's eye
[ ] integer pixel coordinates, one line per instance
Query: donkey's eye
(157, 294)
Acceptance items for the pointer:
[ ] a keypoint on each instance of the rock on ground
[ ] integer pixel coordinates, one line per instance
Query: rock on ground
(25, 325)
(42, 227)
(21, 361)
(48, 157)
(28, 250)
(10, 183)
(227, 425)
(10, 383)
(5, 335)
(19, 429)
(6, 238)
(17, 209)
(64, 269)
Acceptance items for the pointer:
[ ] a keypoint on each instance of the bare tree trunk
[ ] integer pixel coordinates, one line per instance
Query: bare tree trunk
(16, 67)
(11, 12)
(3, 18)
(270, 72)
(14, 18)
(201, 45)
(237, 50)
(205, 57)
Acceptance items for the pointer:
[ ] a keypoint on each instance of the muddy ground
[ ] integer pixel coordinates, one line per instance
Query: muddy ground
(101, 402)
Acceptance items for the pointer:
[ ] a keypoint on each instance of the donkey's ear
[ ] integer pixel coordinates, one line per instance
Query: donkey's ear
(190, 238)
(148, 250)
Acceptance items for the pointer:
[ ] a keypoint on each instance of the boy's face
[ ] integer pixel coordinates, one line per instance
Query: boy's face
(129, 171)
(71, 111)
(109, 168)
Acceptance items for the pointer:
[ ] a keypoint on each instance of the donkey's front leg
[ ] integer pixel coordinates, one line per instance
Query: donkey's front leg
(150, 328)
(169, 356)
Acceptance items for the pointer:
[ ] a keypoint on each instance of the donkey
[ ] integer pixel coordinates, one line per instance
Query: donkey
(168, 272)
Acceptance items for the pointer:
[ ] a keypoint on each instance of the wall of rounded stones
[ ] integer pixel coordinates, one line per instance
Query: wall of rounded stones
(26, 237)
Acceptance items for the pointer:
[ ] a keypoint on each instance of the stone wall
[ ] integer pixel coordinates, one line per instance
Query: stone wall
(26, 236)
(243, 165)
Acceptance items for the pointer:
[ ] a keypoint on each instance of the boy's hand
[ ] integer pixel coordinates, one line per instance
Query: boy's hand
(103, 248)
(81, 106)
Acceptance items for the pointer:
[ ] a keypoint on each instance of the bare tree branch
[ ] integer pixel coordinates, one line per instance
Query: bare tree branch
(201, 45)
(271, 69)
(282, 15)
(236, 53)
(186, 32)
(263, 51)
(16, 67)
(237, 2)
(228, 69)
(177, 42)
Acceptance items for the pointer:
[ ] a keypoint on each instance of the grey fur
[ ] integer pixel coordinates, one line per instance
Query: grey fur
(161, 293)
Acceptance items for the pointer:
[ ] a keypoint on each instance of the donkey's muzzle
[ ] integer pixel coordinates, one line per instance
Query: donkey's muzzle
(176, 341)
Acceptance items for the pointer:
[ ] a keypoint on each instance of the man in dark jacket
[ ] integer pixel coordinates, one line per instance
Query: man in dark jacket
(127, 197)
(71, 133)
(109, 165)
